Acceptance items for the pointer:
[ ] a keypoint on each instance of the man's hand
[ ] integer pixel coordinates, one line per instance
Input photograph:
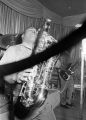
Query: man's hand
(11, 78)
(23, 76)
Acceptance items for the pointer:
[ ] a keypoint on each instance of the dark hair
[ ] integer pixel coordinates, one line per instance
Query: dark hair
(1, 34)
(18, 39)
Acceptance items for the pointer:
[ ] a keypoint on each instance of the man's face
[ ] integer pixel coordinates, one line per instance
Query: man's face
(30, 34)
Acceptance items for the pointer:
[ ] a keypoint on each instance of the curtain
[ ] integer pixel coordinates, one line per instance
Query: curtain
(56, 30)
(12, 22)
(75, 51)
(66, 30)
(31, 8)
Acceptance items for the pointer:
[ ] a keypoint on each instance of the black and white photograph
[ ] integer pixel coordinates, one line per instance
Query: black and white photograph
(42, 59)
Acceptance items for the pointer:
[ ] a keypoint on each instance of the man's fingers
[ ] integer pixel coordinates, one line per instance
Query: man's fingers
(25, 74)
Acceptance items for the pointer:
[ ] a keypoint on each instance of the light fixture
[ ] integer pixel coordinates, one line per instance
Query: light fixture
(78, 25)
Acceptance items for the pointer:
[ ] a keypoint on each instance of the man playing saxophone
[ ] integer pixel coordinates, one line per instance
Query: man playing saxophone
(19, 52)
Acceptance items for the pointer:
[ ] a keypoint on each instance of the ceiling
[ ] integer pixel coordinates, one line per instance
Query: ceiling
(65, 7)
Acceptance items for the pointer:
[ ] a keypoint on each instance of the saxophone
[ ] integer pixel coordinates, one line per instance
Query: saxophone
(35, 90)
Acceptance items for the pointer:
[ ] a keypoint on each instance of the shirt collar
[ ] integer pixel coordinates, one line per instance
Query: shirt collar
(26, 45)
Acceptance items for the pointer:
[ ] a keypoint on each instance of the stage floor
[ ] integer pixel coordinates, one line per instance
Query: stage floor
(73, 113)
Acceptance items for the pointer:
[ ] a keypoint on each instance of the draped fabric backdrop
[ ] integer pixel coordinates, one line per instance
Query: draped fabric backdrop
(12, 21)
(75, 51)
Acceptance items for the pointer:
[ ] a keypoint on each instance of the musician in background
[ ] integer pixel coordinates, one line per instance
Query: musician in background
(67, 85)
